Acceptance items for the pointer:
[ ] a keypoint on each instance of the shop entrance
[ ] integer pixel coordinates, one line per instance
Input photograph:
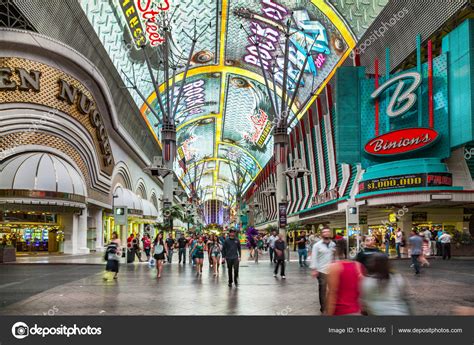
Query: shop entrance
(31, 232)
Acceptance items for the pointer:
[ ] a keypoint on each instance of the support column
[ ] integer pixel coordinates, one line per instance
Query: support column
(251, 216)
(99, 230)
(405, 224)
(279, 152)
(82, 232)
(69, 223)
(168, 135)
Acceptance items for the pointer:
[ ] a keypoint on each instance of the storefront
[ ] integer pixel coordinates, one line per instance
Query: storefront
(32, 231)
(411, 146)
(141, 215)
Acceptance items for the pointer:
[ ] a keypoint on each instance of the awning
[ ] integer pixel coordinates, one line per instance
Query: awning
(127, 198)
(44, 177)
(149, 210)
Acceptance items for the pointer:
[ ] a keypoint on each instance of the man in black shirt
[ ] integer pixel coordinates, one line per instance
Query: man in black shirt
(302, 250)
(170, 246)
(182, 244)
(370, 248)
(231, 252)
(280, 247)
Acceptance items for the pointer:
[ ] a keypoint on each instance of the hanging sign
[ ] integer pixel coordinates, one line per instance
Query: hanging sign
(401, 141)
(282, 214)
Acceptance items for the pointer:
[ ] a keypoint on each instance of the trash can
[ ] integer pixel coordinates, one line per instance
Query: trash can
(130, 256)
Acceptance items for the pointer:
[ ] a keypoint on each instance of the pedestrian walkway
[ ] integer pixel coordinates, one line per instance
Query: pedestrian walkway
(78, 289)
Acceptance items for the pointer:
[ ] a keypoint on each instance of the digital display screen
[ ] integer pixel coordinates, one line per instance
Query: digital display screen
(225, 110)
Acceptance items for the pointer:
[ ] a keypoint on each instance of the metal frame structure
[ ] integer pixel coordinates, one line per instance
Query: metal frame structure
(167, 98)
(11, 17)
(281, 106)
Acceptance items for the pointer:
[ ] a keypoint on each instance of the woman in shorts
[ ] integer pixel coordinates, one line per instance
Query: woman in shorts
(159, 251)
(198, 251)
(216, 252)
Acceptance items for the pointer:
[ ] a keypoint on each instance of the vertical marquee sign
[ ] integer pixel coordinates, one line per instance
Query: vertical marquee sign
(142, 20)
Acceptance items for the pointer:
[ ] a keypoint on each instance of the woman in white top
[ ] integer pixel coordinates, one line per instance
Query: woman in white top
(383, 292)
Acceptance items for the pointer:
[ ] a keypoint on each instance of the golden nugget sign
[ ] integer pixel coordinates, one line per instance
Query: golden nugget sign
(29, 82)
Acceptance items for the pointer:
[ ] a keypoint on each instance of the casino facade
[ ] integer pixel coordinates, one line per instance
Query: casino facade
(386, 159)
(65, 158)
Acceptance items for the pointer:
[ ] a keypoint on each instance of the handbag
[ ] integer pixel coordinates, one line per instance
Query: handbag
(113, 256)
(151, 263)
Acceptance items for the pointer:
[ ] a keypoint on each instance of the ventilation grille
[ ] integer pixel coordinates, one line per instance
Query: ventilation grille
(11, 17)
(397, 27)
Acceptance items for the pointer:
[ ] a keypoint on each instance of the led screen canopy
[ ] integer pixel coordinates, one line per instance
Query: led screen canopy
(225, 112)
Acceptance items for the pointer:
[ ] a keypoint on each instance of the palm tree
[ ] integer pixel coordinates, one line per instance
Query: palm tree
(188, 219)
(173, 212)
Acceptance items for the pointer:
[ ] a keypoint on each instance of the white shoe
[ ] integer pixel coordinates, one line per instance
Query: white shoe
(275, 275)
(283, 277)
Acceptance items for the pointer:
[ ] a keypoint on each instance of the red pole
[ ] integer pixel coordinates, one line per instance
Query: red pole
(430, 84)
(376, 100)
(356, 59)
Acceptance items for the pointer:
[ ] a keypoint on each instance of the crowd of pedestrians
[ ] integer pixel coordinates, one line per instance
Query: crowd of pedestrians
(366, 285)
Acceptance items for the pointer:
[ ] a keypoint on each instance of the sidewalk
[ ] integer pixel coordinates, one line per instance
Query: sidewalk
(79, 259)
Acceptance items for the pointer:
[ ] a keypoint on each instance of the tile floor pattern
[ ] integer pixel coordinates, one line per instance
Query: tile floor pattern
(45, 289)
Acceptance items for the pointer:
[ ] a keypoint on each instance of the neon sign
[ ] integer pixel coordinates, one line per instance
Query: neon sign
(139, 12)
(401, 141)
(404, 100)
(133, 22)
(150, 20)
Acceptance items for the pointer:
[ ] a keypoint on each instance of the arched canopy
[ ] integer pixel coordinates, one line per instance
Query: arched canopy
(226, 111)
(41, 175)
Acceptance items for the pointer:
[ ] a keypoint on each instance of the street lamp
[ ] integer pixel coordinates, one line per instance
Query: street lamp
(270, 190)
(177, 191)
(298, 170)
(169, 92)
(282, 105)
(158, 169)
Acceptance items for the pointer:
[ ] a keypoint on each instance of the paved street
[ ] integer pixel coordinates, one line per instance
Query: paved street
(78, 289)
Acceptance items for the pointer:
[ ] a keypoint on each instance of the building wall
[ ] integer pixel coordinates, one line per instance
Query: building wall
(38, 120)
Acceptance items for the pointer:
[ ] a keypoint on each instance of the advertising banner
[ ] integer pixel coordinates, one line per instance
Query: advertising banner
(406, 181)
(282, 210)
